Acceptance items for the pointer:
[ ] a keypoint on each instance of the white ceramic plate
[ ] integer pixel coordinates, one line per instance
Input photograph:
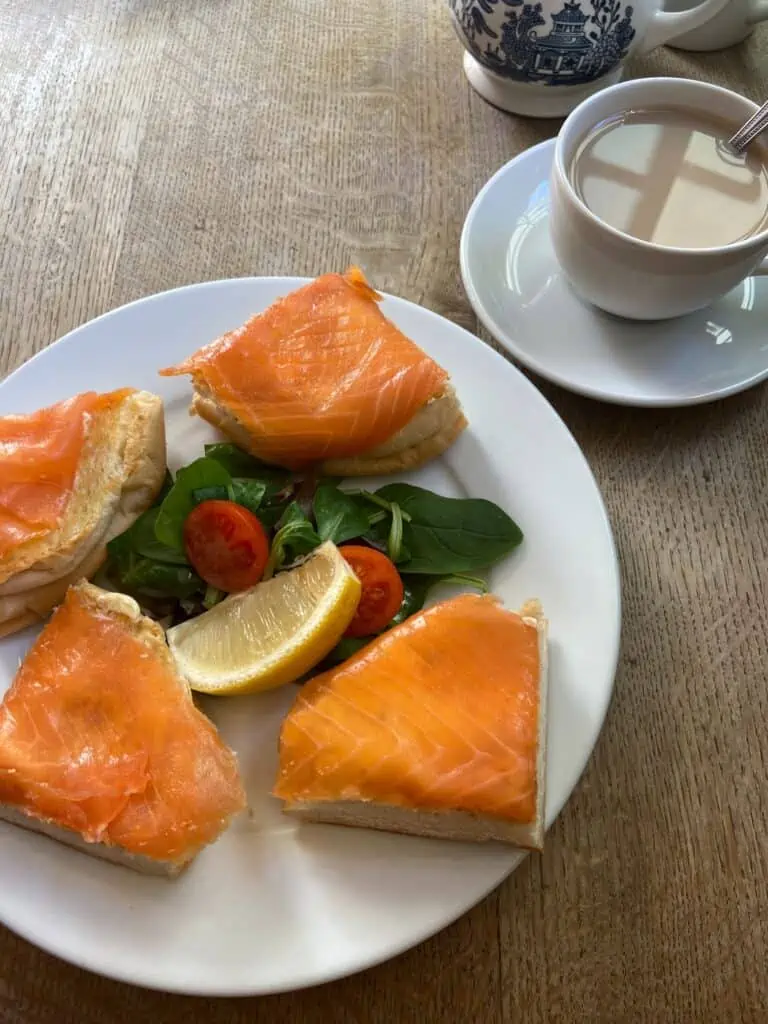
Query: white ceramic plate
(519, 293)
(274, 906)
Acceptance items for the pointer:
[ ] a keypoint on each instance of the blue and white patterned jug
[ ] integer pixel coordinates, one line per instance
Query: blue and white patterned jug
(544, 58)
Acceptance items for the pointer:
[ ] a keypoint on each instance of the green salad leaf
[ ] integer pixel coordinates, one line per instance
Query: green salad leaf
(385, 525)
(265, 490)
(448, 536)
(141, 539)
(432, 539)
(344, 649)
(249, 493)
(463, 579)
(218, 493)
(199, 475)
(295, 537)
(416, 590)
(240, 463)
(339, 516)
(271, 512)
(156, 579)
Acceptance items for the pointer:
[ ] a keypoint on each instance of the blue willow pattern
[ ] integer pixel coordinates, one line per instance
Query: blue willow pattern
(578, 48)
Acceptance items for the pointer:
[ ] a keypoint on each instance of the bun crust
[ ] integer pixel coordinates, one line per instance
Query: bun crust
(121, 472)
(430, 433)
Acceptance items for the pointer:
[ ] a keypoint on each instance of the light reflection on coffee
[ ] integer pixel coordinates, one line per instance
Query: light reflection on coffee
(665, 176)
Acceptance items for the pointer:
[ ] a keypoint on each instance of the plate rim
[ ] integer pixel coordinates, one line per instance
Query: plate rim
(113, 970)
(523, 356)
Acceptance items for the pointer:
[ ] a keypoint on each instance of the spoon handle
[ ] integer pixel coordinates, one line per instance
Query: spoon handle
(750, 130)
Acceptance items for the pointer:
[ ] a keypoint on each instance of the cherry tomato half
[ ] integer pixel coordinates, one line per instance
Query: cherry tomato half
(226, 545)
(382, 592)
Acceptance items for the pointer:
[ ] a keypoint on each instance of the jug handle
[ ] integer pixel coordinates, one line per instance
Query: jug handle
(665, 25)
(757, 11)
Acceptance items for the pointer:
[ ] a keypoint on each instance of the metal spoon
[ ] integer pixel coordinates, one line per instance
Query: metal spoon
(749, 130)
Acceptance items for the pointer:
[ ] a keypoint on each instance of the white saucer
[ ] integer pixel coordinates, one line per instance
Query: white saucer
(519, 293)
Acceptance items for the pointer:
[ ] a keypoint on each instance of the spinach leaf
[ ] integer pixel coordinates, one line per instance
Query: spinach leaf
(248, 471)
(275, 504)
(140, 539)
(416, 590)
(446, 536)
(249, 493)
(270, 513)
(465, 580)
(295, 537)
(385, 526)
(345, 648)
(201, 494)
(240, 463)
(156, 579)
(339, 516)
(145, 542)
(179, 502)
(297, 529)
(376, 498)
(386, 534)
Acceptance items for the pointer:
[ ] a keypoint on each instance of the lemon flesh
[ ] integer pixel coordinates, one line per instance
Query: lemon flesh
(271, 634)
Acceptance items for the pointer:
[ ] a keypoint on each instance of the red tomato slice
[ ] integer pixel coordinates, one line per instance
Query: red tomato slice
(382, 592)
(226, 544)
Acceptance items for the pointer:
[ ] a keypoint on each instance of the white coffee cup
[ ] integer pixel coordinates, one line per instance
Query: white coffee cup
(731, 26)
(625, 275)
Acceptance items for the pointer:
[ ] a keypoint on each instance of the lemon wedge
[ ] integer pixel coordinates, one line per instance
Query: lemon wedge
(271, 634)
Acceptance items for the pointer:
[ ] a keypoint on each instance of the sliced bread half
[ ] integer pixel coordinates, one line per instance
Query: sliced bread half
(102, 747)
(436, 729)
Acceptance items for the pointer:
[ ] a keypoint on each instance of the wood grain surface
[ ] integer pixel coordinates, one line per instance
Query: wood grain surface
(149, 143)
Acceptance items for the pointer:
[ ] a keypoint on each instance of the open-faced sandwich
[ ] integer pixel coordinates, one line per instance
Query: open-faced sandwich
(323, 378)
(437, 728)
(72, 476)
(102, 747)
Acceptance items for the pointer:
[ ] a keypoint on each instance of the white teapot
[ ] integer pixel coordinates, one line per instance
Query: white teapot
(543, 58)
(731, 26)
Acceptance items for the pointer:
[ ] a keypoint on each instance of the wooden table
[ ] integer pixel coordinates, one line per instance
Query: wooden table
(150, 143)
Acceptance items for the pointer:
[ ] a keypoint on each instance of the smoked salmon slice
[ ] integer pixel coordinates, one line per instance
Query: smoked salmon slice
(39, 457)
(322, 374)
(436, 728)
(99, 737)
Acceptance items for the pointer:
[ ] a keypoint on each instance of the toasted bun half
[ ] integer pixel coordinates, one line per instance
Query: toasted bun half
(126, 612)
(121, 471)
(453, 824)
(432, 430)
